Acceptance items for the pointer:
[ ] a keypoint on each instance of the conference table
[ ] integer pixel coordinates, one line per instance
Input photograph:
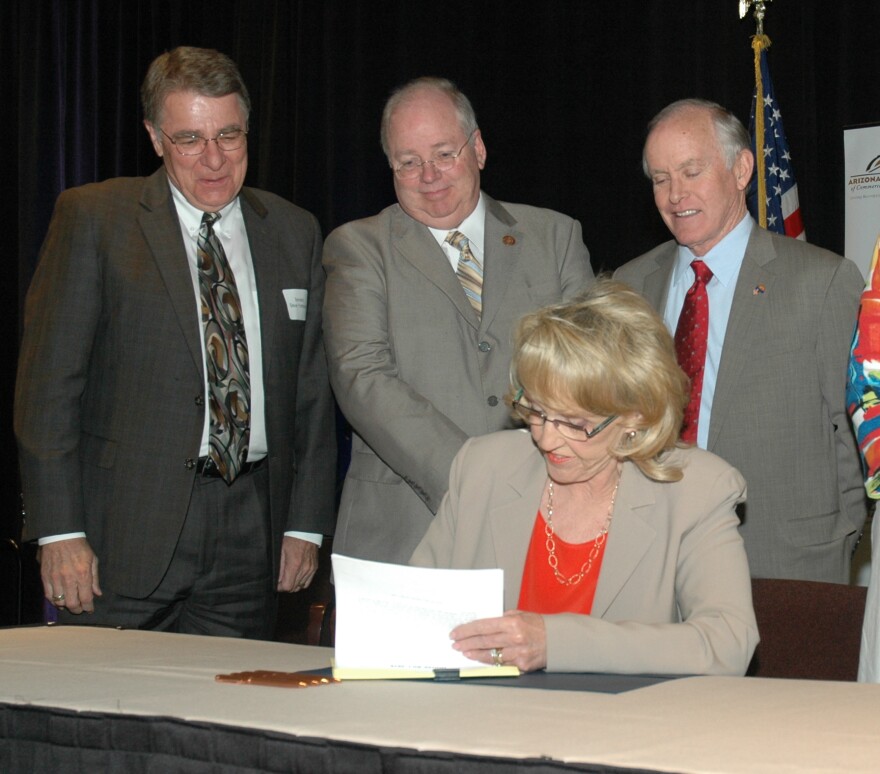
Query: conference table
(76, 698)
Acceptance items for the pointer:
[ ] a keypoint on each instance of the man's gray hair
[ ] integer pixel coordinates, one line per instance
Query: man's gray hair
(200, 70)
(467, 119)
(731, 134)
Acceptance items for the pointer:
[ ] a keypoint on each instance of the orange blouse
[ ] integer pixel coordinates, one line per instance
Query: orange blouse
(541, 592)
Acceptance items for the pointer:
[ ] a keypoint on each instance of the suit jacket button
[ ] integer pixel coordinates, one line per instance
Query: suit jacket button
(493, 401)
(508, 240)
(190, 463)
(485, 346)
(200, 401)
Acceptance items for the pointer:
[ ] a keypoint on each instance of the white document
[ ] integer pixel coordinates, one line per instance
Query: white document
(390, 616)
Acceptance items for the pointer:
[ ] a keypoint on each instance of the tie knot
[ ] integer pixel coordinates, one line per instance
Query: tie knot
(457, 240)
(703, 273)
(209, 219)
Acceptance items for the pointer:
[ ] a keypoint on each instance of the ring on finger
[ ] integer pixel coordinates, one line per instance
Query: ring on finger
(58, 597)
(497, 656)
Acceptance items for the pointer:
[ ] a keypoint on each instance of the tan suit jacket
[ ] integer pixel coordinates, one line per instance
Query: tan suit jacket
(674, 595)
(414, 370)
(779, 412)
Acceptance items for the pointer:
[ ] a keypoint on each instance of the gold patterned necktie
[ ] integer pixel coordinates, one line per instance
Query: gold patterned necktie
(469, 271)
(226, 354)
(691, 337)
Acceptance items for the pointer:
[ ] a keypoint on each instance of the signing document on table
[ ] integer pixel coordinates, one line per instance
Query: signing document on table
(393, 621)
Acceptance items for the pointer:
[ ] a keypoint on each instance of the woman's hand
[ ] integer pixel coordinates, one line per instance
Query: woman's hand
(518, 639)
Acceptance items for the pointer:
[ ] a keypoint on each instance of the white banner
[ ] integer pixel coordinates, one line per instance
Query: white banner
(861, 146)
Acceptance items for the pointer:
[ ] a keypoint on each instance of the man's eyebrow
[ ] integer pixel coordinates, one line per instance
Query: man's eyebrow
(691, 162)
(197, 133)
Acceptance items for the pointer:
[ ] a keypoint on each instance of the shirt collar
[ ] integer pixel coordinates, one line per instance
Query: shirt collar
(473, 226)
(724, 259)
(191, 217)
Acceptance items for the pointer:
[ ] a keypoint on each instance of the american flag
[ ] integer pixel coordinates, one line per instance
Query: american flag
(783, 212)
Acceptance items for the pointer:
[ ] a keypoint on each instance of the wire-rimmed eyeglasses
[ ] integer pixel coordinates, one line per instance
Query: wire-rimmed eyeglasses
(194, 144)
(537, 418)
(443, 161)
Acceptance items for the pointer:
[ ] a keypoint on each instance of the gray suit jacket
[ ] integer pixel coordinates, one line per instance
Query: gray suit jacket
(110, 392)
(779, 413)
(414, 370)
(673, 555)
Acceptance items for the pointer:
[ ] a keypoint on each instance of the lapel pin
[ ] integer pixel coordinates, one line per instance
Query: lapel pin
(508, 240)
(759, 290)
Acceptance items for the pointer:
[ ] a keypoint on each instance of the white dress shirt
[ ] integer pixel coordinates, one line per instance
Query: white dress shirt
(473, 227)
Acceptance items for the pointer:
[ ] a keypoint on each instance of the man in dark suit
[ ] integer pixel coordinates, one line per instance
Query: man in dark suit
(419, 356)
(780, 321)
(173, 412)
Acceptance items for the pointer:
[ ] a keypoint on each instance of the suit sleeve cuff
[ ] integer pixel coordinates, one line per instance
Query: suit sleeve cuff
(55, 538)
(311, 537)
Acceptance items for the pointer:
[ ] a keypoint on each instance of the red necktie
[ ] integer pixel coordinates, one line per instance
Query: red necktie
(690, 345)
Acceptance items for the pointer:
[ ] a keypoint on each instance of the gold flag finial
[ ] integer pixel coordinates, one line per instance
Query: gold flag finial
(758, 13)
(760, 42)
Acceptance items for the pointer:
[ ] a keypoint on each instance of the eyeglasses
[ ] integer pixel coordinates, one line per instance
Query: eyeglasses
(537, 418)
(194, 144)
(443, 161)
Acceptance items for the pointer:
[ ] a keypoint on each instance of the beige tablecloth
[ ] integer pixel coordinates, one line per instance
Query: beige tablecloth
(696, 724)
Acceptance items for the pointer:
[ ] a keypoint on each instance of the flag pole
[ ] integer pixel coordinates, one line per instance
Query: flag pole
(759, 42)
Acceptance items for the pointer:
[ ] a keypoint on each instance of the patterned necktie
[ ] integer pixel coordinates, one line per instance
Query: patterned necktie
(226, 355)
(469, 271)
(690, 345)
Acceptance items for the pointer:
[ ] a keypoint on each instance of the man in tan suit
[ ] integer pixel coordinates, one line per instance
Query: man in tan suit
(781, 317)
(418, 357)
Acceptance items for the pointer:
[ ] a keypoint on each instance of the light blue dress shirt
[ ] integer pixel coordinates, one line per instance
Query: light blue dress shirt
(725, 261)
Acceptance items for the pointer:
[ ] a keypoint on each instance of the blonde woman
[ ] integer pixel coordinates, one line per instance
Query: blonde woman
(620, 546)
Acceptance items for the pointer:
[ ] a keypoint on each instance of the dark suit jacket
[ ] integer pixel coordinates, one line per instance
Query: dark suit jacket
(673, 554)
(414, 369)
(110, 398)
(778, 413)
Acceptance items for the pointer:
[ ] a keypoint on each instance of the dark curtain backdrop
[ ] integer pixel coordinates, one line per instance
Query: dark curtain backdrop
(562, 88)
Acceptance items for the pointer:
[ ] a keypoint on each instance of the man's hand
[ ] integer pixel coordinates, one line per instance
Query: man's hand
(299, 563)
(69, 570)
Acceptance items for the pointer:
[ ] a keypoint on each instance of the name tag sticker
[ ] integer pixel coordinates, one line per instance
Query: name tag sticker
(297, 299)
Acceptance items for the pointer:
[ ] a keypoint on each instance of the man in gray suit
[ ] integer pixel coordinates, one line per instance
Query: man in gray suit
(126, 399)
(781, 316)
(419, 349)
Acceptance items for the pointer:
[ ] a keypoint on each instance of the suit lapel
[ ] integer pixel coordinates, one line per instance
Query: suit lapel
(512, 521)
(629, 537)
(417, 245)
(502, 250)
(265, 253)
(656, 287)
(161, 228)
(746, 313)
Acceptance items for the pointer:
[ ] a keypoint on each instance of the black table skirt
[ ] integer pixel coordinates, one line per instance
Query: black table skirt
(38, 739)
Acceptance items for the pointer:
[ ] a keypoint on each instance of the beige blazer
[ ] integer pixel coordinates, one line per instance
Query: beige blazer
(779, 413)
(674, 595)
(414, 370)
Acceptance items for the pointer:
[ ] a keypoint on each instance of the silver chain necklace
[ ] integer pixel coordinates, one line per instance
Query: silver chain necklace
(598, 541)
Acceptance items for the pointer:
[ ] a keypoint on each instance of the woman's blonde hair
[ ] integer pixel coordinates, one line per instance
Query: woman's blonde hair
(608, 352)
